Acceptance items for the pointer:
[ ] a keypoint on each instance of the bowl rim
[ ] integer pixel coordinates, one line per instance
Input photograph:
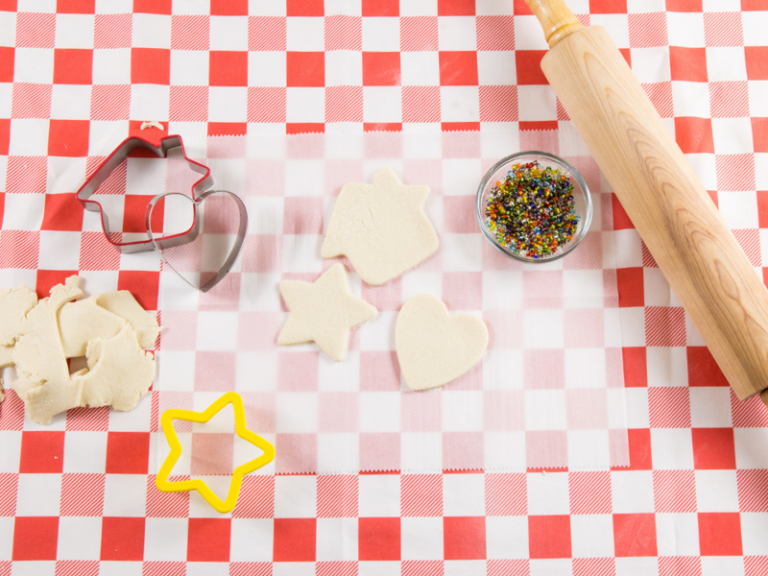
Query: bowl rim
(480, 212)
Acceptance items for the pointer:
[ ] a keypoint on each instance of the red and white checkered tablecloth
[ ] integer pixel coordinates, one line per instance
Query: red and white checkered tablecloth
(77, 76)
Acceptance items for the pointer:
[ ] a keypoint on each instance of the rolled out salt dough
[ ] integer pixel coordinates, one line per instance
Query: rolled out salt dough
(434, 347)
(381, 228)
(14, 304)
(323, 312)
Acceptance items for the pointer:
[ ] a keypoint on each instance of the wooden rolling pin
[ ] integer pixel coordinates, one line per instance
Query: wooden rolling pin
(668, 205)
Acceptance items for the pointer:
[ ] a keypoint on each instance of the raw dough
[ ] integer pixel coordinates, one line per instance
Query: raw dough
(323, 312)
(434, 348)
(381, 228)
(14, 304)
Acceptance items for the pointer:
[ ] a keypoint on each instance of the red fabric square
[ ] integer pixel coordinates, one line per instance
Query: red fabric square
(47, 279)
(544, 369)
(337, 496)
(421, 104)
(150, 66)
(702, 368)
(458, 68)
(634, 535)
(296, 453)
(757, 62)
(62, 212)
(549, 536)
(762, 207)
(305, 69)
(228, 68)
(135, 213)
(381, 68)
(72, 66)
(379, 371)
(760, 135)
(82, 495)
(694, 135)
(68, 137)
(684, 6)
(303, 216)
(529, 67)
(229, 7)
(621, 220)
(545, 449)
(459, 215)
(208, 539)
(35, 538)
(152, 6)
(127, 452)
(75, 6)
(142, 284)
(421, 495)
(42, 452)
(378, 539)
(749, 5)
(6, 63)
(8, 5)
(631, 287)
(380, 451)
(713, 449)
(294, 539)
(381, 7)
(590, 492)
(464, 538)
(720, 534)
(305, 8)
(640, 454)
(688, 64)
(455, 7)
(122, 538)
(298, 371)
(5, 135)
(607, 6)
(635, 367)
(215, 371)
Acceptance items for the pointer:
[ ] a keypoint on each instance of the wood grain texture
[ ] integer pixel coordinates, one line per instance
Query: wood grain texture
(675, 217)
(555, 18)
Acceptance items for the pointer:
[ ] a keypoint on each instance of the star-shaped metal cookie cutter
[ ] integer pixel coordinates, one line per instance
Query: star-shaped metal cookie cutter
(223, 506)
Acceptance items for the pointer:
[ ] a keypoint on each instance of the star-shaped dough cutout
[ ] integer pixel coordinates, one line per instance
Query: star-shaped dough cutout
(323, 312)
(381, 228)
(241, 430)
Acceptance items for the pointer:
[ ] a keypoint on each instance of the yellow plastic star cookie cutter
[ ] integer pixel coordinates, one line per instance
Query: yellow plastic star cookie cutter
(223, 506)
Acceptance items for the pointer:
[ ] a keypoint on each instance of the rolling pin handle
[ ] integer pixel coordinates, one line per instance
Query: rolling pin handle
(555, 18)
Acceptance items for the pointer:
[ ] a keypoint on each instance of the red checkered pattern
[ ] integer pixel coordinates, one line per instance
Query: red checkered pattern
(79, 497)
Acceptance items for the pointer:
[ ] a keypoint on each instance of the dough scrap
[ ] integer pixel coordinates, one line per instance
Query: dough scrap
(123, 304)
(6, 356)
(14, 304)
(434, 347)
(323, 312)
(381, 228)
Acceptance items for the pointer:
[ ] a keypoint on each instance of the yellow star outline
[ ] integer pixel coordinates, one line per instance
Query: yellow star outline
(241, 430)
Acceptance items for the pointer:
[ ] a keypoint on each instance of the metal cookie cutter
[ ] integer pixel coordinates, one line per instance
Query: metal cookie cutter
(200, 190)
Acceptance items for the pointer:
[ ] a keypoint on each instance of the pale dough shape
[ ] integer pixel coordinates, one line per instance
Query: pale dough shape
(119, 373)
(434, 347)
(125, 305)
(6, 356)
(381, 228)
(323, 312)
(14, 304)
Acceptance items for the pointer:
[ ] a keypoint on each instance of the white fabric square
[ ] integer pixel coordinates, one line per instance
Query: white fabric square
(421, 451)
(589, 449)
(704, 166)
(667, 366)
(176, 370)
(261, 8)
(29, 136)
(11, 454)
(149, 101)
(381, 34)
(379, 411)
(379, 333)
(38, 494)
(732, 135)
(137, 420)
(339, 376)
(461, 176)
(498, 143)
(536, 103)
(174, 293)
(656, 288)
(305, 104)
(672, 448)
(754, 533)
(125, 495)
(726, 63)
(59, 250)
(716, 491)
(165, 539)
(547, 493)
(112, 67)
(677, 534)
(374, 569)
(463, 495)
(258, 292)
(459, 103)
(382, 104)
(189, 68)
(229, 33)
(305, 34)
(114, 6)
(690, 99)
(721, 5)
(632, 491)
(338, 452)
(462, 411)
(343, 68)
(503, 370)
(710, 407)
(7, 28)
(739, 209)
(83, 452)
(506, 537)
(295, 496)
(617, 26)
(301, 253)
(651, 65)
(417, 282)
(74, 31)
(6, 544)
(468, 568)
(343, 7)
(505, 451)
(543, 328)
(545, 410)
(721, 566)
(645, 6)
(753, 26)
(71, 102)
(495, 68)
(151, 31)
(33, 65)
(592, 535)
(217, 330)
(65, 175)
(227, 103)
(24, 211)
(336, 539)
(79, 538)
(267, 68)
(528, 34)
(456, 33)
(419, 68)
(585, 368)
(629, 251)
(379, 495)
(583, 289)
(252, 540)
(421, 538)
(761, 171)
(502, 290)
(685, 29)
(462, 252)
(296, 412)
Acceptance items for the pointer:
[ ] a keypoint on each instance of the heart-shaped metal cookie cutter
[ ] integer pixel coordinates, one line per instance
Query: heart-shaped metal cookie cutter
(199, 192)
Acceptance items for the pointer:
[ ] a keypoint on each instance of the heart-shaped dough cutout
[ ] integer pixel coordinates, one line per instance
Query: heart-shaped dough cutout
(434, 347)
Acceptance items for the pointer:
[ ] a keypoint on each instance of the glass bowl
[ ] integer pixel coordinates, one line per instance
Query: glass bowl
(581, 199)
